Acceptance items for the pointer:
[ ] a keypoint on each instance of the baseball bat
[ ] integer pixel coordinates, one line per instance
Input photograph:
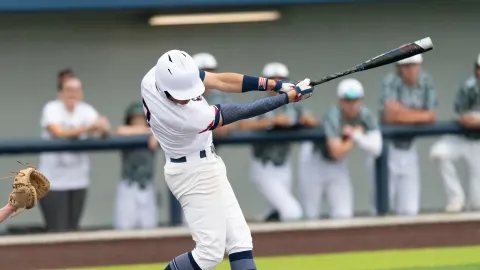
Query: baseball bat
(397, 54)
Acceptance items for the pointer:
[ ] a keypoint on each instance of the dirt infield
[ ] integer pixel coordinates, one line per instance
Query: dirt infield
(309, 240)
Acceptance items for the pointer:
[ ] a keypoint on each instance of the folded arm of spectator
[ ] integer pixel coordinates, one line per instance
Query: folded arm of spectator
(396, 113)
(128, 130)
(256, 124)
(57, 131)
(339, 148)
(469, 121)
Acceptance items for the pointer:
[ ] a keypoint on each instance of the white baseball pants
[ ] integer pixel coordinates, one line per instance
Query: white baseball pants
(135, 207)
(319, 177)
(450, 149)
(275, 184)
(210, 207)
(404, 180)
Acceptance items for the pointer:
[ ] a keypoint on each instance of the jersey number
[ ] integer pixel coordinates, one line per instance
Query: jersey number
(147, 111)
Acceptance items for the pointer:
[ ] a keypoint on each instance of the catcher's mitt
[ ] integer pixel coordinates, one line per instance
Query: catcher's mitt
(29, 186)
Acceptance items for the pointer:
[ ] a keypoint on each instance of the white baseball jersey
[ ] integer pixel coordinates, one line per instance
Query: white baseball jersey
(180, 129)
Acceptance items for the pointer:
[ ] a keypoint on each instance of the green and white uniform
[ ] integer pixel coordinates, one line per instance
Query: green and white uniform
(324, 176)
(136, 202)
(404, 178)
(451, 148)
(271, 168)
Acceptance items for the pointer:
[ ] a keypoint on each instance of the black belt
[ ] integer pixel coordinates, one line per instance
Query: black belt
(203, 154)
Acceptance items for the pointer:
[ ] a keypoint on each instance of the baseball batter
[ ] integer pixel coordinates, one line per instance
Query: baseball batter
(451, 148)
(182, 121)
(346, 125)
(408, 97)
(270, 168)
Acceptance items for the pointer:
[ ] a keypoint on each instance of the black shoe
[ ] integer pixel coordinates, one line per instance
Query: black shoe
(273, 217)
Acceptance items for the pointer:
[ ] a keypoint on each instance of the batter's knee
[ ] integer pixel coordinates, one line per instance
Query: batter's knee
(208, 257)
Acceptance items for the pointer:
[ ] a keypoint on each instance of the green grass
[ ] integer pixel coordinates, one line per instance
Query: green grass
(462, 258)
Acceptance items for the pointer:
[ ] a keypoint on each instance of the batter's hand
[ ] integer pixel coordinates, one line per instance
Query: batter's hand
(302, 91)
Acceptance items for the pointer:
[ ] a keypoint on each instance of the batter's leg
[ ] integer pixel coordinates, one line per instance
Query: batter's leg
(311, 185)
(125, 208)
(340, 195)
(239, 239)
(270, 181)
(198, 189)
(443, 154)
(408, 188)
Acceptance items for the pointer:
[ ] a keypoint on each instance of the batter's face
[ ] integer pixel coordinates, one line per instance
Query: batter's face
(477, 72)
(351, 107)
(71, 92)
(409, 73)
(138, 120)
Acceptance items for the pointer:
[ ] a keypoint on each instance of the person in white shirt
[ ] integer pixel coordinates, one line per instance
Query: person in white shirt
(67, 117)
(182, 121)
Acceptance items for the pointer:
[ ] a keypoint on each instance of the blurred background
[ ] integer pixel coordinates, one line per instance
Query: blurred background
(110, 45)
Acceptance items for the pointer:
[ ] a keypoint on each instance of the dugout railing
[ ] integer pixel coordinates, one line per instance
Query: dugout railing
(31, 146)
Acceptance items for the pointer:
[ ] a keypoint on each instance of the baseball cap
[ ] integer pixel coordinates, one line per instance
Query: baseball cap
(416, 59)
(478, 61)
(275, 69)
(135, 108)
(205, 61)
(177, 73)
(350, 89)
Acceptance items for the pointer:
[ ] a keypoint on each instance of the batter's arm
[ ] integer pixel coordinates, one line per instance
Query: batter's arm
(239, 83)
(233, 112)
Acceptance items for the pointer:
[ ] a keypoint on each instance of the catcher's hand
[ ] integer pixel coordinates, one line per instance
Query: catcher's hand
(29, 186)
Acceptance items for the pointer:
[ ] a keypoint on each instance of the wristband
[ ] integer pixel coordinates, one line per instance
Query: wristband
(251, 83)
(278, 86)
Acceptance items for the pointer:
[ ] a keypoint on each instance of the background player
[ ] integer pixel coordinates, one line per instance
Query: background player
(408, 97)
(451, 148)
(270, 169)
(326, 171)
(182, 121)
(136, 202)
(207, 62)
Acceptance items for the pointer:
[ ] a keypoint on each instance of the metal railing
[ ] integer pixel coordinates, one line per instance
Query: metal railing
(29, 146)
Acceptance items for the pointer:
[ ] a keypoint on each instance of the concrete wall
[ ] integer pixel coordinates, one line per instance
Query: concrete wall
(112, 51)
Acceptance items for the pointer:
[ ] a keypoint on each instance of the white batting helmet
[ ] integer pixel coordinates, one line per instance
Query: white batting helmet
(350, 89)
(177, 73)
(275, 70)
(205, 61)
(416, 59)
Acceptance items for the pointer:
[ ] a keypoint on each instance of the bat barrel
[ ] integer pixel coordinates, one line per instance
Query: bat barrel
(425, 43)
